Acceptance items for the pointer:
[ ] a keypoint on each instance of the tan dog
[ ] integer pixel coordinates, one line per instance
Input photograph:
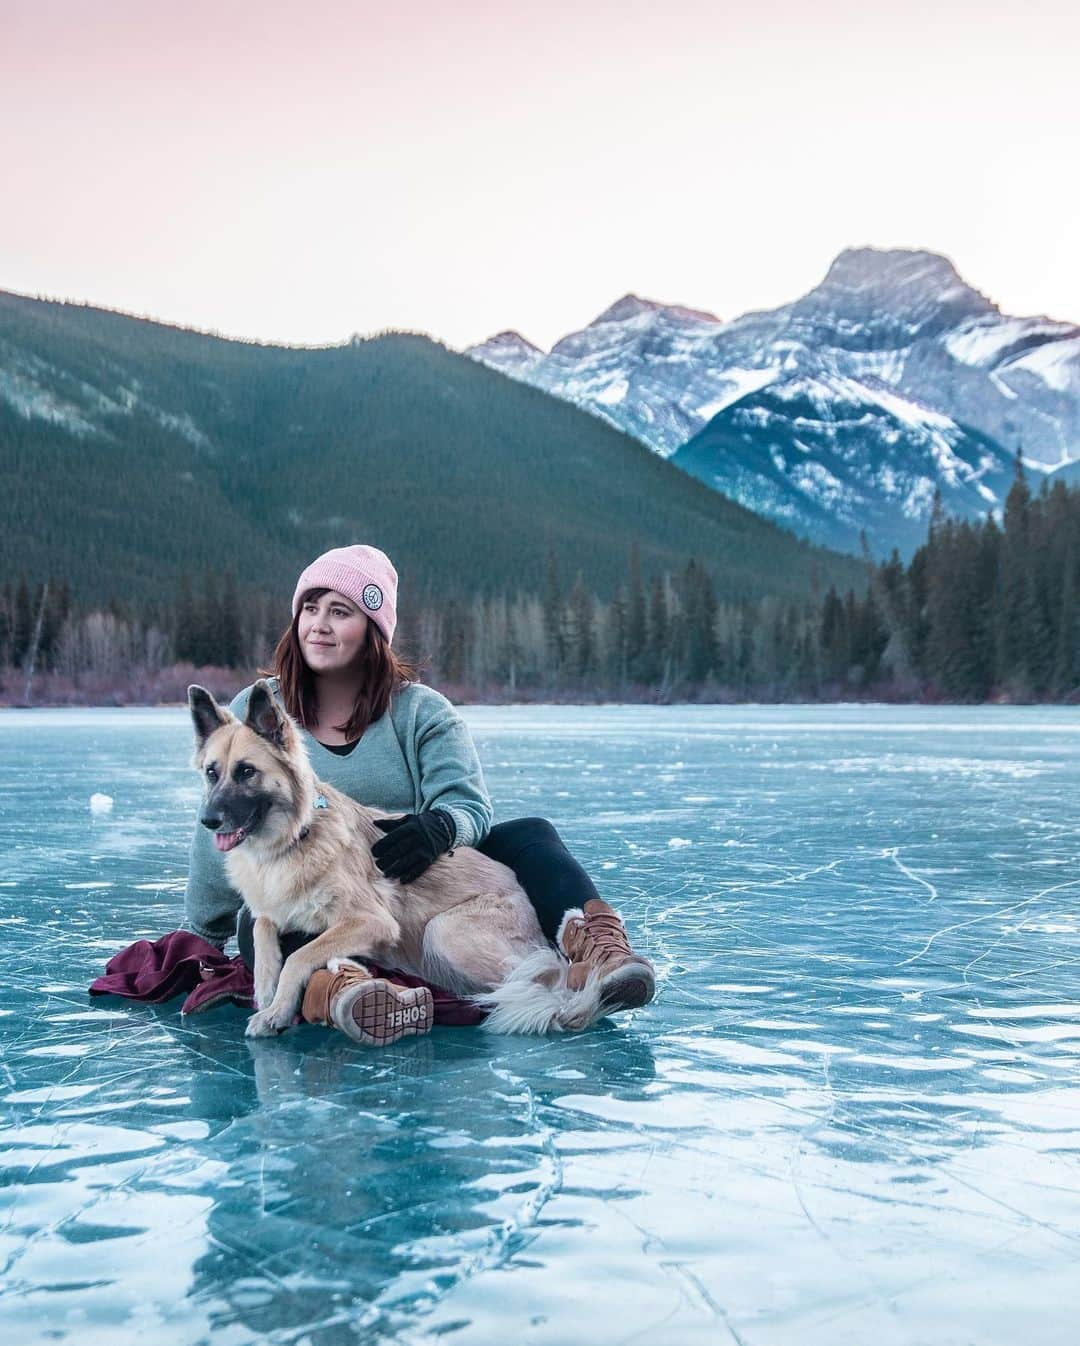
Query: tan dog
(299, 854)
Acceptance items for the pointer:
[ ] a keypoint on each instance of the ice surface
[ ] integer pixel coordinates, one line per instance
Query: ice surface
(851, 1116)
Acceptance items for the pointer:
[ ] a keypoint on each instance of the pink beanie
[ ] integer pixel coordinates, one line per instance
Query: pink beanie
(364, 574)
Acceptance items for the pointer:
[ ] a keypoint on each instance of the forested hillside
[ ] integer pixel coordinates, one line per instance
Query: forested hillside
(980, 611)
(133, 454)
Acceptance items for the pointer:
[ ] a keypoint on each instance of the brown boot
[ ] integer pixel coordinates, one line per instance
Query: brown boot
(367, 1009)
(595, 940)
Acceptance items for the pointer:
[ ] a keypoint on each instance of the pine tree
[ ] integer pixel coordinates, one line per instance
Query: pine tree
(808, 661)
(554, 617)
(581, 643)
(890, 587)
(955, 614)
(1038, 662)
(211, 620)
(22, 623)
(230, 623)
(617, 637)
(789, 637)
(454, 644)
(656, 641)
(989, 589)
(56, 615)
(7, 626)
(835, 651)
(1066, 671)
(698, 644)
(706, 636)
(743, 654)
(636, 632)
(185, 633)
(1015, 610)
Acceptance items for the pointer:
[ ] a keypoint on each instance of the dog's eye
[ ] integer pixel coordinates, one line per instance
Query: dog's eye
(211, 773)
(244, 771)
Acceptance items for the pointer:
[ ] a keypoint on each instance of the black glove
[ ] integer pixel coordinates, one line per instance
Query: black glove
(412, 843)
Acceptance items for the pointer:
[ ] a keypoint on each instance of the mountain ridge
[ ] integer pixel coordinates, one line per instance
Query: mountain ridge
(902, 319)
(131, 452)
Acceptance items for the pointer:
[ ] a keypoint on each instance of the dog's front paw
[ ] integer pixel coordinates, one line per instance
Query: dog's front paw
(264, 1024)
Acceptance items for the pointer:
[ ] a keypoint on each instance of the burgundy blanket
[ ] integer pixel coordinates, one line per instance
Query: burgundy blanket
(181, 961)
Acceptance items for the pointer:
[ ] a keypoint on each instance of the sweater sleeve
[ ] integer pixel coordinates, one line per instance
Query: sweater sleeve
(210, 901)
(451, 777)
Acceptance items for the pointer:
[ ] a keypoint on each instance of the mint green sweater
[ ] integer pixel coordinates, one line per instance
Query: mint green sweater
(419, 755)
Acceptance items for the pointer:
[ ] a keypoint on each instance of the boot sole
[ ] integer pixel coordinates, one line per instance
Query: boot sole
(377, 1013)
(627, 988)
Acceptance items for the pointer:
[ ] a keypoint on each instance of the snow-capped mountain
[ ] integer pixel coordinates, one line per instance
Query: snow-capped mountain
(833, 457)
(842, 411)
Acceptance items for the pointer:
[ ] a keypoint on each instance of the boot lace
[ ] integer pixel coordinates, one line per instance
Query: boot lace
(600, 938)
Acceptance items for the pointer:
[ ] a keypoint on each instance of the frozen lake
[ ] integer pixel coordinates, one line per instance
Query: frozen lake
(851, 1116)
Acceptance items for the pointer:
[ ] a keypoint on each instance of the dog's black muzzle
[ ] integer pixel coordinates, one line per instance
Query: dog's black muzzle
(232, 810)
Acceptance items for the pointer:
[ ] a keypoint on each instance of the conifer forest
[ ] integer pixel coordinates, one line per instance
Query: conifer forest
(984, 610)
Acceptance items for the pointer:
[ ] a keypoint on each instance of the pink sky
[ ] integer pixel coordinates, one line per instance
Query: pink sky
(298, 172)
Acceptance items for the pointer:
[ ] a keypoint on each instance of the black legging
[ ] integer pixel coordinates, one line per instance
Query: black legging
(552, 878)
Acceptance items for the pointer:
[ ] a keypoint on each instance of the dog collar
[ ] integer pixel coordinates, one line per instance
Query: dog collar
(320, 803)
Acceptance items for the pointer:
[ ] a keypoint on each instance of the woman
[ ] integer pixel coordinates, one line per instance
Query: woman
(388, 741)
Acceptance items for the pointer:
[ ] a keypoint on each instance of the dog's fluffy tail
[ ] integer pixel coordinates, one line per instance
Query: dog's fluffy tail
(535, 998)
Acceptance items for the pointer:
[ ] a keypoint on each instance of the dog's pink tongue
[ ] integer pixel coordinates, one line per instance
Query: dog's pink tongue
(225, 841)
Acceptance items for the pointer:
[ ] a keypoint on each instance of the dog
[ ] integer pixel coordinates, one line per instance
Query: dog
(299, 854)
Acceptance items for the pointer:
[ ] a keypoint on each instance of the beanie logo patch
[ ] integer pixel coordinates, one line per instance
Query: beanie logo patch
(372, 597)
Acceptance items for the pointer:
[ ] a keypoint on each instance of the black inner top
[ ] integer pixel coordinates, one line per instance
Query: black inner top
(342, 749)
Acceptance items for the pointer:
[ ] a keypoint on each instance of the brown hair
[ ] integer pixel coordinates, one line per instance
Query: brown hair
(379, 674)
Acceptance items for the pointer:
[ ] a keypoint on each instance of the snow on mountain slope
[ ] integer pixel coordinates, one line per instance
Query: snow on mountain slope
(965, 382)
(43, 391)
(832, 457)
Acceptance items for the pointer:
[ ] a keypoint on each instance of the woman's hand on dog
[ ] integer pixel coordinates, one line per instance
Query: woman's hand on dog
(412, 843)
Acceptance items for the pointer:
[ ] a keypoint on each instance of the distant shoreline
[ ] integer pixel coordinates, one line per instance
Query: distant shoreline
(140, 687)
(462, 696)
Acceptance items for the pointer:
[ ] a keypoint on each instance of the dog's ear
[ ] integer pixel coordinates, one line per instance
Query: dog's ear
(206, 714)
(264, 715)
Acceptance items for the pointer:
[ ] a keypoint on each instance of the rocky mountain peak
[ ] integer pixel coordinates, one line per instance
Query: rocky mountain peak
(912, 286)
(629, 306)
(632, 305)
(510, 341)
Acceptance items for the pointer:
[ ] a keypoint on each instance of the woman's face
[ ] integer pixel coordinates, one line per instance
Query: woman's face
(332, 631)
